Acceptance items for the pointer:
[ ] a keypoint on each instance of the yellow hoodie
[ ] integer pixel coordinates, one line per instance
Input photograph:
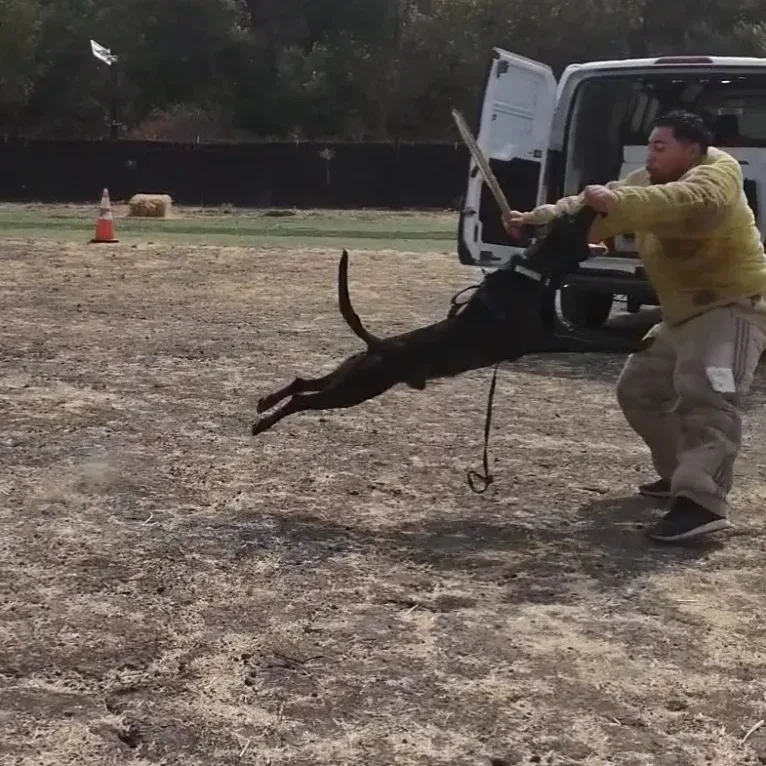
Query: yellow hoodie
(697, 236)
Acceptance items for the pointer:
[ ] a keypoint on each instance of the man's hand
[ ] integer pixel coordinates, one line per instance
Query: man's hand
(513, 223)
(599, 198)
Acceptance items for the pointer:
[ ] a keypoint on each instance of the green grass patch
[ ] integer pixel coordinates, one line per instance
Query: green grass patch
(369, 230)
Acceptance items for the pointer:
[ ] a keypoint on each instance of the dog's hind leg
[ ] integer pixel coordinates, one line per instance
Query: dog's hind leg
(269, 421)
(298, 386)
(342, 395)
(298, 403)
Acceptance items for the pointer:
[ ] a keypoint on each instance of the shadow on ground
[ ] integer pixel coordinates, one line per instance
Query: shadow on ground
(604, 541)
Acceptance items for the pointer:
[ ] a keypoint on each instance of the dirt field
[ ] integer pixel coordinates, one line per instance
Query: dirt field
(174, 591)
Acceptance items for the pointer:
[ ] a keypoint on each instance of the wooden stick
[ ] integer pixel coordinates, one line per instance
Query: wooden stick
(481, 161)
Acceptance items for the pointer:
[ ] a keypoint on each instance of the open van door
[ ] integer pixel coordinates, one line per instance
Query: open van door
(514, 133)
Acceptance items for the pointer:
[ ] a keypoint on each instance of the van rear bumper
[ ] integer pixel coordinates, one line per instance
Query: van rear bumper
(633, 286)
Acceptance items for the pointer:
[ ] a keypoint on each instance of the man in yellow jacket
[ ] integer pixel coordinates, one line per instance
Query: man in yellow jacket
(702, 251)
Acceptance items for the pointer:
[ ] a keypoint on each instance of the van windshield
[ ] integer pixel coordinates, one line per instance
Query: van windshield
(733, 105)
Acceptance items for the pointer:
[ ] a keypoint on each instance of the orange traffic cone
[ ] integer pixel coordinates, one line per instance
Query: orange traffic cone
(105, 222)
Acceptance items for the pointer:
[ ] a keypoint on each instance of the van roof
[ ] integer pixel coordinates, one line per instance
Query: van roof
(671, 61)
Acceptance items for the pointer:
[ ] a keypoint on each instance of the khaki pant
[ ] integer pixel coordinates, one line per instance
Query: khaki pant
(682, 396)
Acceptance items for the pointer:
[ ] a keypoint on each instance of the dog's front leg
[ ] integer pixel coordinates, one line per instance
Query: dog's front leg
(591, 342)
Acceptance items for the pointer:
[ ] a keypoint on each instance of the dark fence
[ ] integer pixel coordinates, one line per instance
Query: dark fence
(288, 174)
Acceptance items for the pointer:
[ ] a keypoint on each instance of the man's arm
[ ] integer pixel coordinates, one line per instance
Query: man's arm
(546, 213)
(566, 205)
(688, 208)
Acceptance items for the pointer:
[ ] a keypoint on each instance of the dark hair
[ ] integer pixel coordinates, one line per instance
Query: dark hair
(686, 126)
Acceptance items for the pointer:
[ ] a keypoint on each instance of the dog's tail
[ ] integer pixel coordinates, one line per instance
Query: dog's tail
(347, 310)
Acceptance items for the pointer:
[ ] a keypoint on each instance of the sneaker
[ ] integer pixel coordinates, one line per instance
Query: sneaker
(660, 488)
(687, 520)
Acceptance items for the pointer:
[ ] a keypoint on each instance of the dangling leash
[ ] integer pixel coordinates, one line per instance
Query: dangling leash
(489, 178)
(494, 187)
(487, 479)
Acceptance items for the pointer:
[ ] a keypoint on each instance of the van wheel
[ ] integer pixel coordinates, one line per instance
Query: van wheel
(585, 308)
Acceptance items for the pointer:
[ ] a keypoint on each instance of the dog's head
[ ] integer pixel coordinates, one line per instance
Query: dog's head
(562, 247)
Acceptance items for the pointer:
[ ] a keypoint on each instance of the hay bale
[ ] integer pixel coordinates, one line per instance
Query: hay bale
(150, 205)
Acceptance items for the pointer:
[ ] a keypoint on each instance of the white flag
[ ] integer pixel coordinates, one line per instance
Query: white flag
(104, 54)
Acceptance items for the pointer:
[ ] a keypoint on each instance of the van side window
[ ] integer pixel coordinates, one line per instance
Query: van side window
(734, 106)
(737, 120)
(641, 114)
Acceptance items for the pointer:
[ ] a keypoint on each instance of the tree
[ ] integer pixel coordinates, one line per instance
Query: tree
(19, 35)
(356, 69)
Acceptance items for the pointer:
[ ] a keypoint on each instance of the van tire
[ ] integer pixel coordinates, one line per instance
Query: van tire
(587, 309)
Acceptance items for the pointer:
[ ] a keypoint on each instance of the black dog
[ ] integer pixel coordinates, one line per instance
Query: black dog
(512, 313)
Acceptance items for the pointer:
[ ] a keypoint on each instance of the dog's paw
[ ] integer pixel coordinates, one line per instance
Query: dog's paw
(261, 406)
(263, 424)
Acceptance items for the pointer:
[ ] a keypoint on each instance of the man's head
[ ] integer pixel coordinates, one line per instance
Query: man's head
(677, 143)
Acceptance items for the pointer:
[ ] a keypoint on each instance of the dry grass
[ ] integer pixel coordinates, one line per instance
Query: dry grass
(175, 592)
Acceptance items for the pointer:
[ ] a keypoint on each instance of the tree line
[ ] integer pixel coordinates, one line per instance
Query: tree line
(316, 69)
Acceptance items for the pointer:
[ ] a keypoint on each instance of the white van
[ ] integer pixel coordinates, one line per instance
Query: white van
(545, 140)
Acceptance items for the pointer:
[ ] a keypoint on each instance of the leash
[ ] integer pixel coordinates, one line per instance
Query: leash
(454, 305)
(487, 479)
